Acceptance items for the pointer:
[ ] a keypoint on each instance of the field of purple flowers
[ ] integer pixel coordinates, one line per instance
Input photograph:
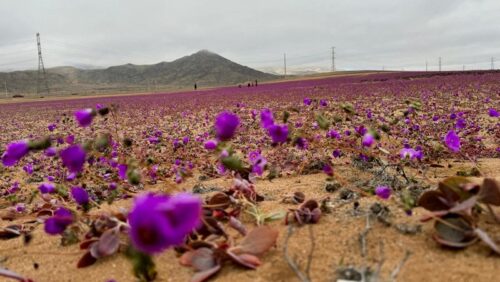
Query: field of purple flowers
(376, 176)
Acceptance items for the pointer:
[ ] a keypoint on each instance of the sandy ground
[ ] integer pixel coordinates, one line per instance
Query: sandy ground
(336, 238)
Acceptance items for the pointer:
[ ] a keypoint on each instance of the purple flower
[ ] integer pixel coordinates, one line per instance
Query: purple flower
(84, 117)
(159, 221)
(70, 139)
(258, 162)
(71, 176)
(328, 170)
(47, 188)
(266, 118)
(226, 124)
(73, 158)
(15, 151)
(80, 196)
(52, 127)
(185, 140)
(278, 133)
(493, 113)
(14, 188)
(50, 152)
(333, 134)
(407, 153)
(301, 143)
(452, 141)
(368, 140)
(460, 123)
(58, 222)
(383, 192)
(210, 144)
(307, 101)
(122, 171)
(323, 103)
(112, 186)
(337, 153)
(361, 130)
(28, 168)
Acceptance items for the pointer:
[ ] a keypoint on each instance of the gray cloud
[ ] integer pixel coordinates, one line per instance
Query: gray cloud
(367, 34)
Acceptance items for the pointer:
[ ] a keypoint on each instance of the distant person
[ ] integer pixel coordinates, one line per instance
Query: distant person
(256, 83)
(248, 85)
(195, 86)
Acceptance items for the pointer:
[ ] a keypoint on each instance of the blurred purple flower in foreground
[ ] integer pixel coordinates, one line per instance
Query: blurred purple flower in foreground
(73, 158)
(14, 152)
(279, 133)
(266, 118)
(84, 117)
(160, 221)
(58, 222)
(226, 124)
(452, 141)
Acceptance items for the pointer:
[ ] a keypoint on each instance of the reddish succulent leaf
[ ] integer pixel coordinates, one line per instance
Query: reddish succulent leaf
(465, 205)
(204, 275)
(310, 204)
(237, 225)
(487, 239)
(257, 241)
(45, 213)
(298, 197)
(456, 231)
(10, 232)
(211, 226)
(452, 188)
(432, 201)
(86, 244)
(107, 245)
(456, 245)
(186, 258)
(86, 260)
(11, 274)
(245, 260)
(202, 259)
(220, 200)
(315, 215)
(490, 192)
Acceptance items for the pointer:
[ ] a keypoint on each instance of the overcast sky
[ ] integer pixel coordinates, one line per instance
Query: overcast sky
(367, 34)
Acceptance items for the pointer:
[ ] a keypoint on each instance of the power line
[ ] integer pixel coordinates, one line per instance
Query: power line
(333, 59)
(284, 64)
(41, 69)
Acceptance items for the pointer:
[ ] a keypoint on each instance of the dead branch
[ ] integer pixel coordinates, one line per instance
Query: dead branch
(396, 271)
(304, 277)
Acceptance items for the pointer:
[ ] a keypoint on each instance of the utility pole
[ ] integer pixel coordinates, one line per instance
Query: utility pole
(439, 63)
(492, 63)
(284, 64)
(463, 68)
(426, 66)
(333, 59)
(41, 70)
